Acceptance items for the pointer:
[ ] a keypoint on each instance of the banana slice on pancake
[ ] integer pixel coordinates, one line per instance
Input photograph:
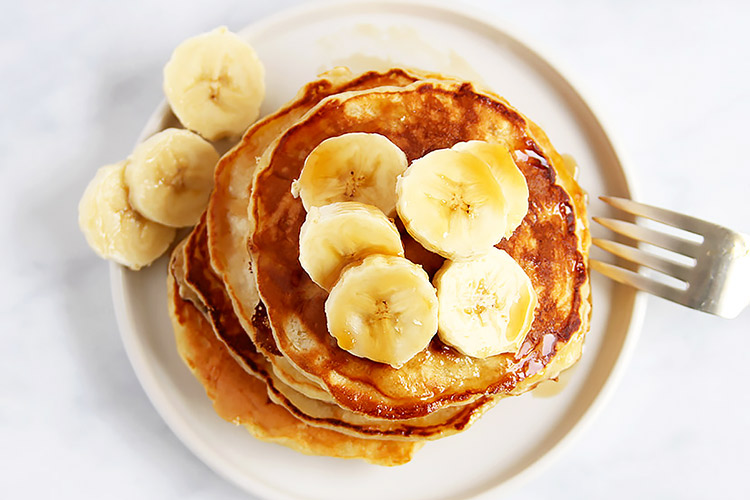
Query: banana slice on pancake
(113, 229)
(214, 84)
(338, 234)
(452, 203)
(170, 176)
(384, 309)
(486, 305)
(351, 167)
(512, 181)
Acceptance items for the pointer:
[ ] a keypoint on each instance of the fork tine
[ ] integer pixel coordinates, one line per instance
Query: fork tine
(643, 258)
(673, 243)
(640, 281)
(675, 219)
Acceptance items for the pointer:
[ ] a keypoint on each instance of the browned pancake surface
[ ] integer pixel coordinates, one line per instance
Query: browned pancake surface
(550, 245)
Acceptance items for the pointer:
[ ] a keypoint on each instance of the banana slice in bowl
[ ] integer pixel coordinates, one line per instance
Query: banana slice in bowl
(487, 304)
(338, 234)
(214, 83)
(352, 167)
(113, 229)
(384, 309)
(170, 176)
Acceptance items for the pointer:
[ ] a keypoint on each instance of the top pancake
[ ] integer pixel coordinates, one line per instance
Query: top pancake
(226, 217)
(551, 245)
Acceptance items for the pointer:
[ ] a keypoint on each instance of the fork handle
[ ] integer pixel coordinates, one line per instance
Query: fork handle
(728, 292)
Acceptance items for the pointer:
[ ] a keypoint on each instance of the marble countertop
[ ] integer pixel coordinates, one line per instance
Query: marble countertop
(80, 78)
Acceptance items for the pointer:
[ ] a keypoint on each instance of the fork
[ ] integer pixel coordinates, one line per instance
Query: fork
(719, 280)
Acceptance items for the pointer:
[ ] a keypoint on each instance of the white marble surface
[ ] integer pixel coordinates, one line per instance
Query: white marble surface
(79, 79)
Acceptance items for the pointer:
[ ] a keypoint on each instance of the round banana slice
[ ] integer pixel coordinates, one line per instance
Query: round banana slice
(352, 167)
(383, 309)
(512, 181)
(170, 176)
(338, 234)
(113, 229)
(214, 84)
(452, 204)
(486, 305)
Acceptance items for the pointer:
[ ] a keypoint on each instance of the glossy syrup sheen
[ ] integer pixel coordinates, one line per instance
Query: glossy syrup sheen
(549, 245)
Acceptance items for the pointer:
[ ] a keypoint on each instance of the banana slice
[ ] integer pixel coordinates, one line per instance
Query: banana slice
(214, 84)
(486, 305)
(383, 309)
(113, 229)
(352, 167)
(452, 204)
(512, 181)
(335, 235)
(170, 176)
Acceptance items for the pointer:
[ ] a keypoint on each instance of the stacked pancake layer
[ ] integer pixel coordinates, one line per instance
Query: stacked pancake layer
(251, 325)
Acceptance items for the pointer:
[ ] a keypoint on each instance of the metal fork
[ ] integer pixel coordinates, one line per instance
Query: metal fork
(719, 280)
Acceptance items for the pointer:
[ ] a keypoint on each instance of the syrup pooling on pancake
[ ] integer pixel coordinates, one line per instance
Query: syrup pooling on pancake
(549, 245)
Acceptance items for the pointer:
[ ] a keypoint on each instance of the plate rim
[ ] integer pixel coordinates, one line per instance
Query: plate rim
(491, 21)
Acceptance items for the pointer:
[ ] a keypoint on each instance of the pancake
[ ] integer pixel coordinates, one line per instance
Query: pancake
(226, 217)
(551, 245)
(204, 285)
(240, 398)
(201, 285)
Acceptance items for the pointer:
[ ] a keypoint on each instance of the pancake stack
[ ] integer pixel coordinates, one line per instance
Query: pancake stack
(251, 325)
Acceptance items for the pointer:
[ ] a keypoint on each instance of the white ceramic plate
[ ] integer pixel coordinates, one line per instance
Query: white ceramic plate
(521, 434)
